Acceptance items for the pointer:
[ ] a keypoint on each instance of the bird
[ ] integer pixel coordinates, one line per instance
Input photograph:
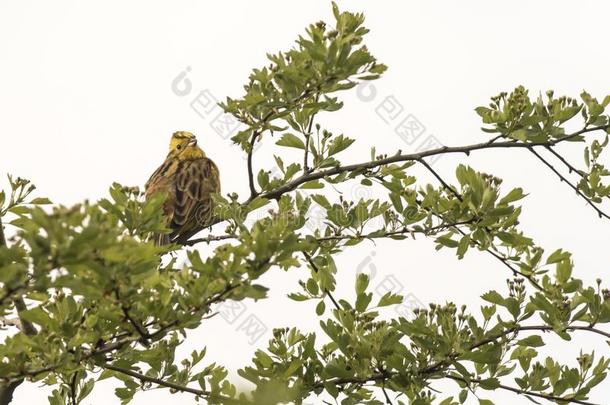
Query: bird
(189, 179)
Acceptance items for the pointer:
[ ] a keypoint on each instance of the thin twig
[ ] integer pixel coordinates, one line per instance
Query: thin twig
(571, 168)
(491, 144)
(253, 192)
(158, 381)
(7, 390)
(520, 391)
(142, 331)
(256, 134)
(385, 394)
(441, 180)
(435, 367)
(410, 157)
(563, 178)
(306, 168)
(500, 258)
(209, 239)
(389, 234)
(315, 268)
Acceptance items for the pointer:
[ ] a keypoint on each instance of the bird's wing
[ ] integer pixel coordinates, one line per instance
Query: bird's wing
(195, 182)
(161, 182)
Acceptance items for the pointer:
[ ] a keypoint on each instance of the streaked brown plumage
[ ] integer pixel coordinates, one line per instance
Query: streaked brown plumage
(189, 179)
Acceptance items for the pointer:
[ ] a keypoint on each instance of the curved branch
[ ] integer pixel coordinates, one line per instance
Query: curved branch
(257, 132)
(253, 191)
(315, 268)
(209, 239)
(491, 251)
(278, 192)
(174, 386)
(572, 186)
(389, 234)
(160, 382)
(117, 344)
(520, 391)
(571, 168)
(491, 144)
(383, 376)
(7, 390)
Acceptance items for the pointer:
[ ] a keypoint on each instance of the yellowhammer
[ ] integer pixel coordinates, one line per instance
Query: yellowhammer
(189, 179)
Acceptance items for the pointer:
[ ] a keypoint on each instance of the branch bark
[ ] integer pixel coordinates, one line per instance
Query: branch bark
(572, 186)
(491, 251)
(411, 157)
(381, 377)
(520, 391)
(7, 390)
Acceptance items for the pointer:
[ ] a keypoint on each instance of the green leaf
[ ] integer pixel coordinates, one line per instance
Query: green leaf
(362, 282)
(321, 200)
(313, 184)
(490, 384)
(291, 141)
(532, 341)
(263, 178)
(320, 308)
(557, 256)
(463, 246)
(339, 144)
(257, 203)
(463, 396)
(36, 315)
(494, 297)
(362, 301)
(40, 201)
(298, 297)
(389, 299)
(514, 195)
(19, 210)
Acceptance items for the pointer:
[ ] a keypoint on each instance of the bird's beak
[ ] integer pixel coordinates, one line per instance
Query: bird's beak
(192, 142)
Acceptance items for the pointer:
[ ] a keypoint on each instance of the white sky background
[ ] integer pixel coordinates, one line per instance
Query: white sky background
(86, 99)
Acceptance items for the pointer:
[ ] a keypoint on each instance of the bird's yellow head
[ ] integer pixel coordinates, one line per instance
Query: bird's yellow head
(183, 146)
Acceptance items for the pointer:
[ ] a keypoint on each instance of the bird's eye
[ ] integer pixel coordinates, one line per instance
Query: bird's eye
(179, 147)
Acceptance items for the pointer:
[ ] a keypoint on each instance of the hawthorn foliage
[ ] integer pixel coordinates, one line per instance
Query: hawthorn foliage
(85, 295)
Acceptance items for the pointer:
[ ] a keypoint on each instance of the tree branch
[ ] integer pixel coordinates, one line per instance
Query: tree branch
(491, 144)
(158, 381)
(520, 391)
(572, 186)
(383, 376)
(7, 390)
(209, 239)
(142, 331)
(306, 168)
(315, 268)
(116, 345)
(256, 133)
(253, 192)
(570, 167)
(491, 251)
(278, 192)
